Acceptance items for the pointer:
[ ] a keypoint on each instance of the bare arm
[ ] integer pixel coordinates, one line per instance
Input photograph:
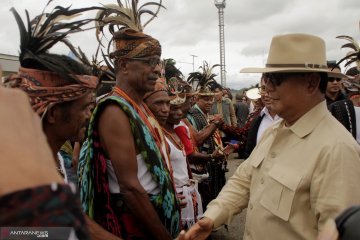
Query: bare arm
(202, 135)
(118, 144)
(196, 157)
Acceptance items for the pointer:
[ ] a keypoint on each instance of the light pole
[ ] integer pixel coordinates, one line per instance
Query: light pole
(220, 4)
(193, 63)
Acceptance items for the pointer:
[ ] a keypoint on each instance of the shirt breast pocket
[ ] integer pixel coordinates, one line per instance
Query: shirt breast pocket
(280, 190)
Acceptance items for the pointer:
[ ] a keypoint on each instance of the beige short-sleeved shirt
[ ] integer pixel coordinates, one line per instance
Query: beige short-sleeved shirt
(295, 179)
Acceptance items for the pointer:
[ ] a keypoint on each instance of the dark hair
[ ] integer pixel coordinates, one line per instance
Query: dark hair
(214, 85)
(64, 61)
(104, 88)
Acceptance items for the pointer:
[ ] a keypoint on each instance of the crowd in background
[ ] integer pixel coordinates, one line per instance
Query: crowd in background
(128, 148)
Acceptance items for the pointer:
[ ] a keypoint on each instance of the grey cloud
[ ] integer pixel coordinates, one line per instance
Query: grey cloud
(245, 12)
(191, 27)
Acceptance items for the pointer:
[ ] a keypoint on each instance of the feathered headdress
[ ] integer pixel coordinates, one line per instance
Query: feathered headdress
(47, 78)
(203, 80)
(175, 91)
(39, 35)
(128, 15)
(170, 84)
(352, 56)
(171, 70)
(173, 77)
(124, 24)
(97, 67)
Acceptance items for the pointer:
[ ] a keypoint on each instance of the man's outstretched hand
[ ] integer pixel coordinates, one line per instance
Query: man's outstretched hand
(201, 230)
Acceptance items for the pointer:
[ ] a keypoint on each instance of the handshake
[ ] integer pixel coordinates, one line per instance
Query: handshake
(217, 119)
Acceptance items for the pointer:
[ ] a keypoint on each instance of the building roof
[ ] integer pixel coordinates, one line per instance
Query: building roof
(9, 63)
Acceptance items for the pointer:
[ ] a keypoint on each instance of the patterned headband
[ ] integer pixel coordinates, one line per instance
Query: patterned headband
(47, 88)
(129, 43)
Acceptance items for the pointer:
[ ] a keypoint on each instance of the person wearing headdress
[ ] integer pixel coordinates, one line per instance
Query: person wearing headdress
(60, 91)
(166, 104)
(306, 167)
(191, 138)
(198, 116)
(125, 184)
(184, 183)
(32, 193)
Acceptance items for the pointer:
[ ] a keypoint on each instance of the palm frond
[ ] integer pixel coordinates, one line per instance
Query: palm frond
(352, 56)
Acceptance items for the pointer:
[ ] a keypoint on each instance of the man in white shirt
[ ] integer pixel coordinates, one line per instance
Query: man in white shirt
(263, 121)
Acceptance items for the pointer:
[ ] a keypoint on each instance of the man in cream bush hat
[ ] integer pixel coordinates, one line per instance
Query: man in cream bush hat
(306, 168)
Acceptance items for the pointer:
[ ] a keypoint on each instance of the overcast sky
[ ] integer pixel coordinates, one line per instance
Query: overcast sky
(190, 27)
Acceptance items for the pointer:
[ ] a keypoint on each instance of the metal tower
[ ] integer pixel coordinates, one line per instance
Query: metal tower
(220, 4)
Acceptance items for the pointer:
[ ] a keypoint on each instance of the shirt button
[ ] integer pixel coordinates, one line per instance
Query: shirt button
(251, 206)
(262, 181)
(272, 154)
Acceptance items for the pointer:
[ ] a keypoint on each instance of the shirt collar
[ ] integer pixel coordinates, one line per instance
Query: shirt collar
(307, 123)
(265, 111)
(198, 108)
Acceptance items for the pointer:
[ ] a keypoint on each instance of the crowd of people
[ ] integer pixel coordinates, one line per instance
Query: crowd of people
(146, 158)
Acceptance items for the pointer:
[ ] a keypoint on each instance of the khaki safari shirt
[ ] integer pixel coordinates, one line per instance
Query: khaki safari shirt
(294, 180)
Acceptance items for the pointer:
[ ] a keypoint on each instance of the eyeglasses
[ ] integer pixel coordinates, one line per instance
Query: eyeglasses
(152, 61)
(262, 89)
(276, 79)
(331, 79)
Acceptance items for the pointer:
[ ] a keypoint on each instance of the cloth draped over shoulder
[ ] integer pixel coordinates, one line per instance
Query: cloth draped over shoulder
(94, 185)
(46, 88)
(344, 112)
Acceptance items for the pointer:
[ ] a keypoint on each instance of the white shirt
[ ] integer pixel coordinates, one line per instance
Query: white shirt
(143, 175)
(357, 119)
(266, 122)
(179, 165)
(62, 166)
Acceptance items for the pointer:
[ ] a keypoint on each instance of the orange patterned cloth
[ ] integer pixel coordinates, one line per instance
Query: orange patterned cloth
(129, 43)
(47, 88)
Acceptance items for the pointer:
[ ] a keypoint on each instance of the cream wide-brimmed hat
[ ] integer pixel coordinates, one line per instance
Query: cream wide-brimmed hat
(295, 53)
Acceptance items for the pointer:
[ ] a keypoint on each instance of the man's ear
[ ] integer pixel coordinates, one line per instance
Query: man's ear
(52, 114)
(122, 65)
(313, 83)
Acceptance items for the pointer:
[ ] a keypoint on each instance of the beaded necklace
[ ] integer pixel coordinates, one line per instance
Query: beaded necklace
(144, 113)
(179, 145)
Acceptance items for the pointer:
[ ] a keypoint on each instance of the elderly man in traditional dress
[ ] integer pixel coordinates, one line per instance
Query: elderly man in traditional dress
(126, 185)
